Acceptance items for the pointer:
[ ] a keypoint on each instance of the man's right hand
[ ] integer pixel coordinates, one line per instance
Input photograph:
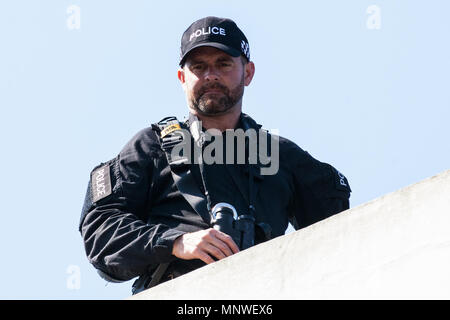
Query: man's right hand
(204, 245)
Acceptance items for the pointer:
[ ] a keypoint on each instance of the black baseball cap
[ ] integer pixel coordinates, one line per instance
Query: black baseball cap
(220, 33)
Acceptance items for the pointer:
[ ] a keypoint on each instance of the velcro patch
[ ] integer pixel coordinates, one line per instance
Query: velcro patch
(101, 183)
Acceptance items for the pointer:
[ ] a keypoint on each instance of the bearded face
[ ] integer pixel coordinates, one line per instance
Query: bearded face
(215, 98)
(214, 81)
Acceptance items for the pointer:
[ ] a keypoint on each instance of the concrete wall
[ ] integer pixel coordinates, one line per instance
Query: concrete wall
(394, 247)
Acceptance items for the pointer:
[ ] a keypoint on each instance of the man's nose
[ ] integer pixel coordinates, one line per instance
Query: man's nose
(211, 74)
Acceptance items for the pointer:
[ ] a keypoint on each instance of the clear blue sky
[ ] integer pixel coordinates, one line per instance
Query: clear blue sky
(363, 85)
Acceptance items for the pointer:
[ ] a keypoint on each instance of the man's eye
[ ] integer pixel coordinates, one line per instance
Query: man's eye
(197, 67)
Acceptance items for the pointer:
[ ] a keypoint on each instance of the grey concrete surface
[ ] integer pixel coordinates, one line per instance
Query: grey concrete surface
(394, 247)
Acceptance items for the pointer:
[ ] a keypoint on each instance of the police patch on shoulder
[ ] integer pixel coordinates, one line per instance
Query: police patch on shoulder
(101, 183)
(341, 181)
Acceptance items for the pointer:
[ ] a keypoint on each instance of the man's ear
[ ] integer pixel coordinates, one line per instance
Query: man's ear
(181, 75)
(249, 72)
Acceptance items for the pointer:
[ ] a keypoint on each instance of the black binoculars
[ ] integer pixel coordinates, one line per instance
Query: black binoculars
(242, 228)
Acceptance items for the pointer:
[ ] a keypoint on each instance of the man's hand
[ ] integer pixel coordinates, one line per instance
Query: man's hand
(204, 245)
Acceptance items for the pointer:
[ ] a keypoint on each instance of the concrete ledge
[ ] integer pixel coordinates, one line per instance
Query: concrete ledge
(394, 247)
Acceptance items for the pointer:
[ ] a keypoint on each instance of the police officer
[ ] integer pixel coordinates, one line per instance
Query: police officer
(148, 211)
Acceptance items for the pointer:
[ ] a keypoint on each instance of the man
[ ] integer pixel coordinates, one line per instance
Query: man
(150, 211)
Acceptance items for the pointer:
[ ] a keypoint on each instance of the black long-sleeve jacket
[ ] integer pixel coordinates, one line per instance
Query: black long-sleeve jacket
(133, 211)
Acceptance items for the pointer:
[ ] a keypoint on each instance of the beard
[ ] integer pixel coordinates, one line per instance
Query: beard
(216, 103)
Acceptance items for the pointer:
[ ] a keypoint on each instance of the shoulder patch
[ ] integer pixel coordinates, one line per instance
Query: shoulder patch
(341, 181)
(169, 129)
(100, 183)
